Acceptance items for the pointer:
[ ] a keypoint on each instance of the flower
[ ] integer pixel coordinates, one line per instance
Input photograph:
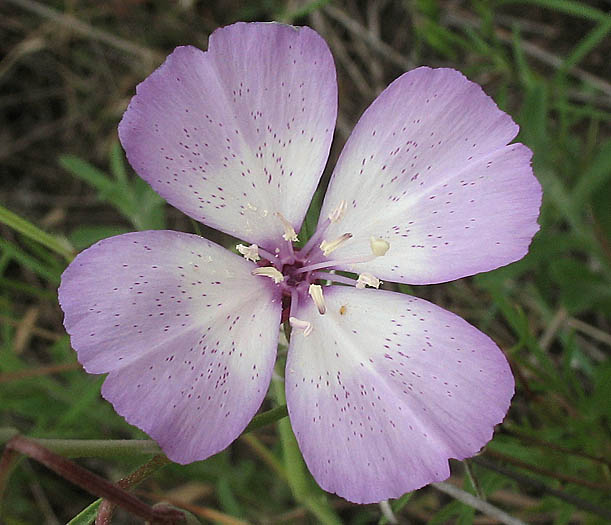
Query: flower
(382, 388)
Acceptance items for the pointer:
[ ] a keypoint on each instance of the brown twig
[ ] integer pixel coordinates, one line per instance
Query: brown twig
(462, 18)
(37, 372)
(546, 472)
(85, 479)
(539, 485)
(107, 507)
(197, 510)
(549, 445)
(378, 45)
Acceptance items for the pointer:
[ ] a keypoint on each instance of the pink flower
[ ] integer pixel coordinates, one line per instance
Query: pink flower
(382, 388)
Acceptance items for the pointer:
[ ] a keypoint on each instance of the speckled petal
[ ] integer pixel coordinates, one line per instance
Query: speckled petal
(429, 169)
(186, 333)
(386, 388)
(236, 134)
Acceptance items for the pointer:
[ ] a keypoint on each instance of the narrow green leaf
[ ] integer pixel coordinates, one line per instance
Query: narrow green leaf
(29, 262)
(86, 516)
(598, 173)
(23, 226)
(586, 45)
(569, 7)
(108, 189)
(117, 163)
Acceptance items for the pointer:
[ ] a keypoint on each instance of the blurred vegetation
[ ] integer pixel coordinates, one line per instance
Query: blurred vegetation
(67, 71)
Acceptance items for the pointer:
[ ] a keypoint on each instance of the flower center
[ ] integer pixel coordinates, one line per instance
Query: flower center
(292, 276)
(299, 273)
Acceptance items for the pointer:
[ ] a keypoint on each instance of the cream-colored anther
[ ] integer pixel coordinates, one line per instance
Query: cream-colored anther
(289, 232)
(315, 291)
(269, 271)
(367, 279)
(250, 253)
(379, 246)
(338, 213)
(298, 324)
(328, 246)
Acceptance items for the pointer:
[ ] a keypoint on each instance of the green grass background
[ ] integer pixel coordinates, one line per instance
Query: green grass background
(67, 71)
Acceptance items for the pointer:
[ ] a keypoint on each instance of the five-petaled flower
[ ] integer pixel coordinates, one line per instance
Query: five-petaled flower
(382, 388)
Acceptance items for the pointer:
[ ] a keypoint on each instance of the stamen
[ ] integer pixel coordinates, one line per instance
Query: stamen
(379, 246)
(367, 279)
(250, 253)
(298, 324)
(269, 271)
(289, 232)
(328, 246)
(338, 213)
(315, 291)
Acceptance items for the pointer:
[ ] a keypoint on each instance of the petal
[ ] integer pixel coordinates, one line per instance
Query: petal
(240, 132)
(386, 388)
(428, 169)
(187, 335)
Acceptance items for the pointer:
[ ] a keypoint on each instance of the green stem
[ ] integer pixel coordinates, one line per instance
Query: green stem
(106, 448)
(303, 487)
(61, 247)
(266, 455)
(267, 418)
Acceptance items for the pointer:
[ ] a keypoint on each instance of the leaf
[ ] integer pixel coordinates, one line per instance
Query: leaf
(594, 178)
(84, 236)
(87, 515)
(580, 287)
(108, 189)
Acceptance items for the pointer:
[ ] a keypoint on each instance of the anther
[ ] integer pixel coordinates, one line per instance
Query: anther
(338, 213)
(379, 246)
(315, 291)
(366, 279)
(250, 253)
(269, 271)
(298, 324)
(328, 246)
(289, 232)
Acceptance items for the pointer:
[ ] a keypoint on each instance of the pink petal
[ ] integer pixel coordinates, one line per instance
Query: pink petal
(428, 169)
(236, 134)
(187, 335)
(386, 388)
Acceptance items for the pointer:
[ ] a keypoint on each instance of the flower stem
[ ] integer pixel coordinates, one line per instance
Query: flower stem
(304, 489)
(109, 448)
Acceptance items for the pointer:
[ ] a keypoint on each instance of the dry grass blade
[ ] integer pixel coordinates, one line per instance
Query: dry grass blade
(478, 504)
(149, 56)
(360, 31)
